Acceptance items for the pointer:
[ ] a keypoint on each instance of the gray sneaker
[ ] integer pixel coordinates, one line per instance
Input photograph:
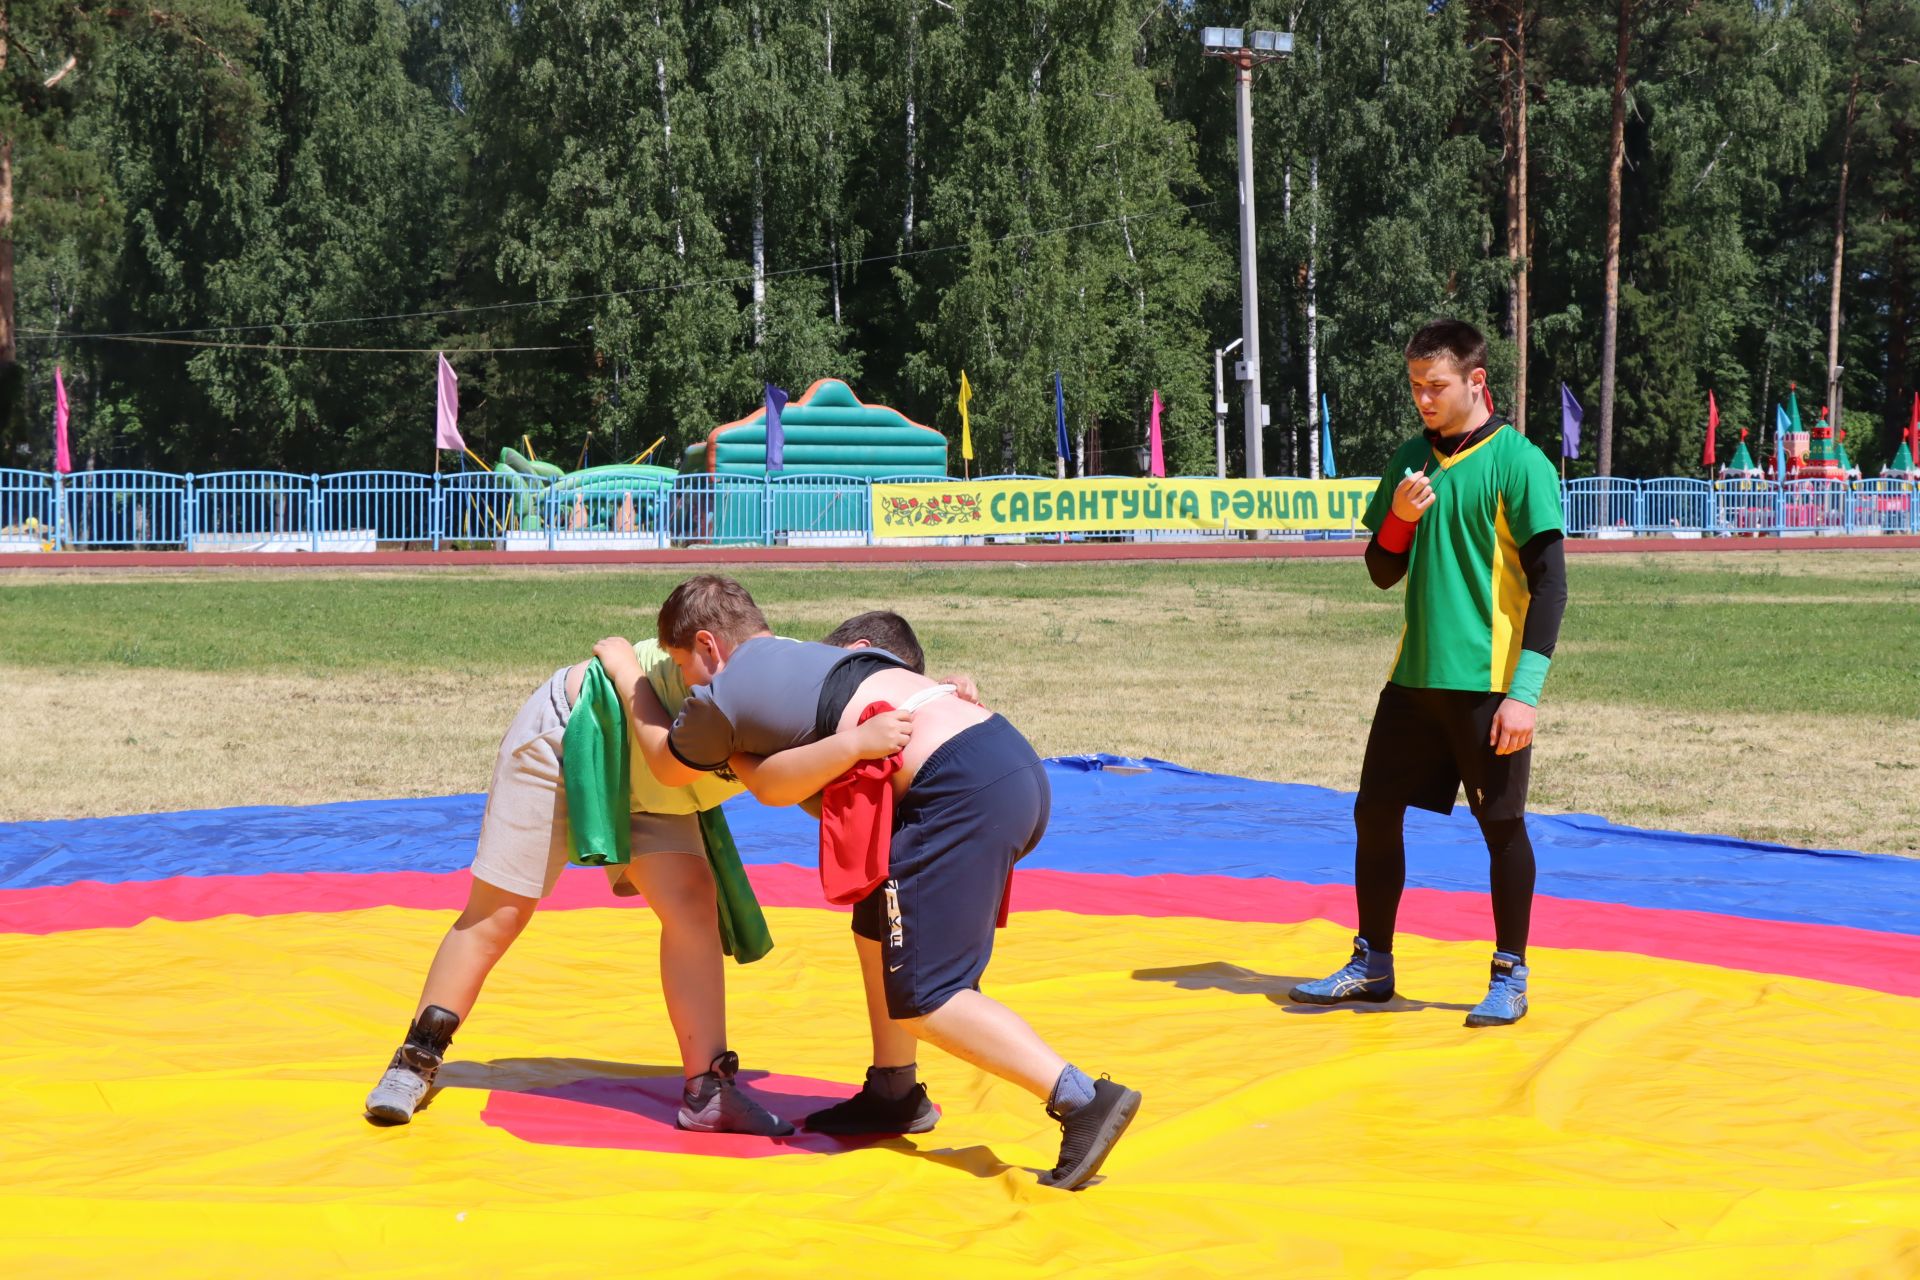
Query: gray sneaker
(715, 1103)
(410, 1075)
(397, 1096)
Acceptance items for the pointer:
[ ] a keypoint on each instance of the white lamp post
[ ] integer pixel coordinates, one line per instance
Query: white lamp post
(1245, 50)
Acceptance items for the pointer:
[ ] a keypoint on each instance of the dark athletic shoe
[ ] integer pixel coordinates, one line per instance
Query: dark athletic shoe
(727, 1108)
(868, 1112)
(1088, 1134)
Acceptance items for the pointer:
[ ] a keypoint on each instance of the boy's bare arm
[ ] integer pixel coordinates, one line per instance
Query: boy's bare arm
(647, 719)
(792, 776)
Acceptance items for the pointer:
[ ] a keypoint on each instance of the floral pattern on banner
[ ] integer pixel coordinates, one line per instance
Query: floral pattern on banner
(947, 508)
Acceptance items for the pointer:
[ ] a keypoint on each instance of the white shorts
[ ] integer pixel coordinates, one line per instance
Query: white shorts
(523, 835)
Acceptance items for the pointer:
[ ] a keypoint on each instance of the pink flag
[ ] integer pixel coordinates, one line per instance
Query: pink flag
(62, 459)
(447, 410)
(1156, 461)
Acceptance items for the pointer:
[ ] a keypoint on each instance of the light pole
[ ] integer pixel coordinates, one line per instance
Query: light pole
(1245, 50)
(1220, 408)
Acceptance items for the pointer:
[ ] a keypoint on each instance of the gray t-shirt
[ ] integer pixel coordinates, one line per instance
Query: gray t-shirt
(764, 701)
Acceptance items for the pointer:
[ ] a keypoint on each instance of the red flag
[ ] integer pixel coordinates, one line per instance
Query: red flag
(1713, 427)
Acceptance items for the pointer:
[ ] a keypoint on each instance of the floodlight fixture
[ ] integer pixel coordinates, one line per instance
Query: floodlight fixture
(1243, 47)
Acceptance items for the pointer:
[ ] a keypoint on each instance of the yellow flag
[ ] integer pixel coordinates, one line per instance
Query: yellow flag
(966, 427)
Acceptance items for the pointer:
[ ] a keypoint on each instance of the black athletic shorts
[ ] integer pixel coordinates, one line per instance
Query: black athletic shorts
(978, 805)
(1427, 743)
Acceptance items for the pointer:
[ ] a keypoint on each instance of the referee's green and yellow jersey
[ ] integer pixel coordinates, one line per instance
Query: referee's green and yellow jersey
(1467, 595)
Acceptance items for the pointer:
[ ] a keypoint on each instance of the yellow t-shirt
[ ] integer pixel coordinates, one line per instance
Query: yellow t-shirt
(650, 795)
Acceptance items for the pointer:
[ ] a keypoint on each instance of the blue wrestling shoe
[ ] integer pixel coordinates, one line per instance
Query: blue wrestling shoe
(1506, 1001)
(1367, 977)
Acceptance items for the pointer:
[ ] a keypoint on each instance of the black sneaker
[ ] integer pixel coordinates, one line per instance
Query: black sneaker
(868, 1112)
(1089, 1133)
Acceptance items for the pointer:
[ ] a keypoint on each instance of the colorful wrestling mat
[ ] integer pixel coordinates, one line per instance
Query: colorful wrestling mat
(1717, 1079)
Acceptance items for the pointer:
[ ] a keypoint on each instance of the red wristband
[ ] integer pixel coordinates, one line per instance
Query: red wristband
(1396, 535)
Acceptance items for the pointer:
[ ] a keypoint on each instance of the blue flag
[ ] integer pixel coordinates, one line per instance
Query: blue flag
(1326, 440)
(1571, 416)
(1780, 455)
(776, 430)
(1062, 445)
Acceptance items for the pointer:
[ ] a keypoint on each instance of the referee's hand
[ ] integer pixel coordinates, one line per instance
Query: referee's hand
(1412, 496)
(1512, 728)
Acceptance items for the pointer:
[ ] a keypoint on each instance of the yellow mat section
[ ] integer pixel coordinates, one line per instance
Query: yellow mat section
(182, 1100)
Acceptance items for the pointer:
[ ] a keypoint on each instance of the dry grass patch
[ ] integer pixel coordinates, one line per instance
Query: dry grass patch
(1267, 671)
(91, 743)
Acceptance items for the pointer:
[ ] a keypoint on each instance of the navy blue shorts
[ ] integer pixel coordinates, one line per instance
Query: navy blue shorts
(978, 805)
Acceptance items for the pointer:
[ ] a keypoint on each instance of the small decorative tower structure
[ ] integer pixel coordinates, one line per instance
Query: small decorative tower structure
(1740, 466)
(1903, 466)
(1824, 459)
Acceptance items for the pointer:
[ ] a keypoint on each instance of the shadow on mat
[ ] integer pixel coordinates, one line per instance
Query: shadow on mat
(981, 1162)
(533, 1075)
(524, 1075)
(650, 1093)
(1221, 976)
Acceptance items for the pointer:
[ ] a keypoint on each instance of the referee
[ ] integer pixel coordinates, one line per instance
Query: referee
(1469, 515)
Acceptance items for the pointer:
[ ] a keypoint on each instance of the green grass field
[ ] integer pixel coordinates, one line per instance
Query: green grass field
(1769, 695)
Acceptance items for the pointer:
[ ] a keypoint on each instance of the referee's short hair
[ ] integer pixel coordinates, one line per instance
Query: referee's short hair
(1459, 341)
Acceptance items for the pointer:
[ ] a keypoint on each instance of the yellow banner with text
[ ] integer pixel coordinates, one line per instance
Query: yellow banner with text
(958, 508)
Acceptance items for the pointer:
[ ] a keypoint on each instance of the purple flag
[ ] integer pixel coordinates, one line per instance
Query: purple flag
(1156, 460)
(446, 431)
(776, 430)
(1571, 416)
(62, 458)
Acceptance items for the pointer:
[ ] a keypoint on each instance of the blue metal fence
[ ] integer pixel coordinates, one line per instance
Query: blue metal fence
(1814, 505)
(362, 510)
(1602, 507)
(819, 510)
(136, 509)
(26, 510)
(1746, 506)
(481, 507)
(255, 511)
(1883, 506)
(717, 510)
(1675, 506)
(604, 515)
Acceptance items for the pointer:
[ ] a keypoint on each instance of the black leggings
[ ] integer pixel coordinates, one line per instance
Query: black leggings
(1380, 874)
